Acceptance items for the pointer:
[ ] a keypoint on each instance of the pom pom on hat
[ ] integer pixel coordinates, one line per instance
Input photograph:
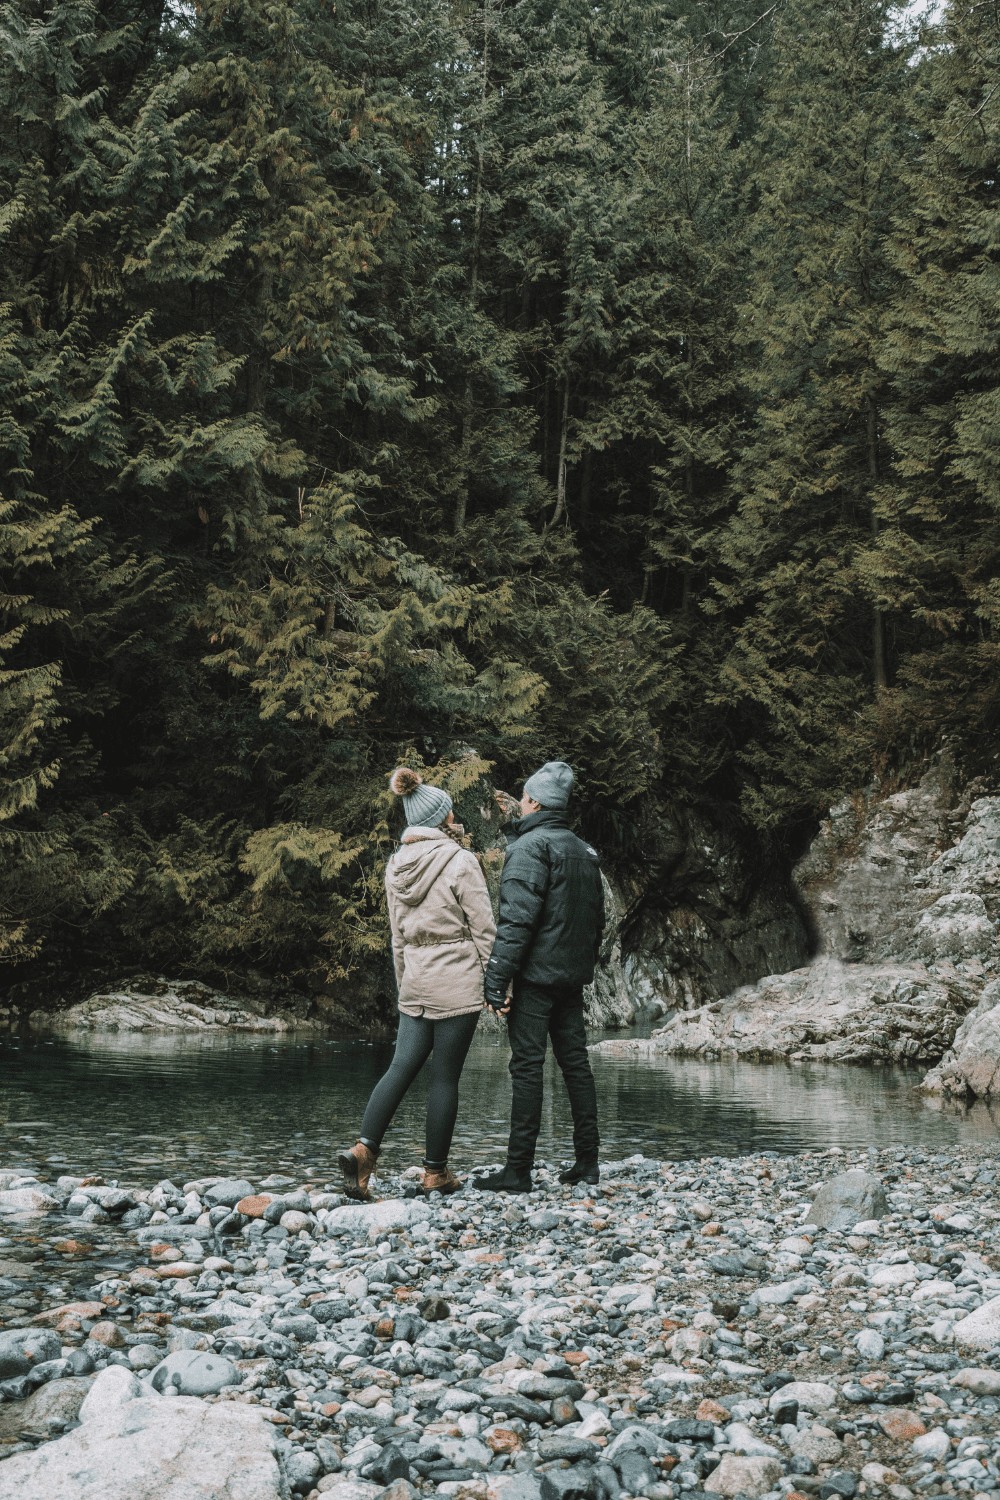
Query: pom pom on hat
(425, 806)
(404, 782)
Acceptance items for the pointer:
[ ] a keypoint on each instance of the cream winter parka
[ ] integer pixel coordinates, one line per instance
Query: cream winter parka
(442, 924)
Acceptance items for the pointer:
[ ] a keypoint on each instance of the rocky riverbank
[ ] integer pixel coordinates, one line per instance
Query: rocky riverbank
(163, 1007)
(908, 950)
(815, 1326)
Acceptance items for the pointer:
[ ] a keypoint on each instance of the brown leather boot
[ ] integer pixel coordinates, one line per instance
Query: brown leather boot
(357, 1165)
(440, 1180)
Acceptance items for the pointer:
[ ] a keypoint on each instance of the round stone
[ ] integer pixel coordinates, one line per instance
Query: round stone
(254, 1204)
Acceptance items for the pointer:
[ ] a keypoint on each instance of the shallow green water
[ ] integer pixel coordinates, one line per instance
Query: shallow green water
(143, 1108)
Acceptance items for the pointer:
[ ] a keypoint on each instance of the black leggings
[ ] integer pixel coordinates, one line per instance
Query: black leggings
(446, 1044)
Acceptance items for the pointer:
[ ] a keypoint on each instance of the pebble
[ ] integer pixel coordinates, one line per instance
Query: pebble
(979, 1382)
(570, 1344)
(870, 1344)
(934, 1445)
(981, 1328)
(744, 1476)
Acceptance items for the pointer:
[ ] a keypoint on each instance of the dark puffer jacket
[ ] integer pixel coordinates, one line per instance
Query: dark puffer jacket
(551, 907)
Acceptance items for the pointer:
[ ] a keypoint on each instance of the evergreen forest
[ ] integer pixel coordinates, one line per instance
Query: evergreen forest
(465, 383)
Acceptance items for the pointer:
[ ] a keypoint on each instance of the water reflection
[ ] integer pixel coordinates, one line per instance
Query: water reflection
(144, 1107)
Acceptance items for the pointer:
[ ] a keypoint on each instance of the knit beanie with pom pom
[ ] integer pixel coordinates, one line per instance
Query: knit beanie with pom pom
(424, 806)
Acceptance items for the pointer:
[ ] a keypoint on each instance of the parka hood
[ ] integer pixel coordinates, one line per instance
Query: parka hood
(417, 863)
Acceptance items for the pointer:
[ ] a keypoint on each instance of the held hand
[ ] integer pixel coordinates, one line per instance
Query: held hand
(508, 805)
(498, 1004)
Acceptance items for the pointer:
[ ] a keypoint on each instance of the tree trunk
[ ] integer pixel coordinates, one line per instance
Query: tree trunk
(586, 480)
(465, 449)
(880, 672)
(560, 509)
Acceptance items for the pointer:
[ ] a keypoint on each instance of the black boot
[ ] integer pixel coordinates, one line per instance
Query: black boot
(507, 1180)
(582, 1171)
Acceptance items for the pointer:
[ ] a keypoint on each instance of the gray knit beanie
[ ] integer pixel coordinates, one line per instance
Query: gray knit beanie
(424, 806)
(551, 785)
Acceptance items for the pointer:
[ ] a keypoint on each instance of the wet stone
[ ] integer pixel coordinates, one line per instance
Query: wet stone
(689, 1430)
(842, 1485)
(573, 1483)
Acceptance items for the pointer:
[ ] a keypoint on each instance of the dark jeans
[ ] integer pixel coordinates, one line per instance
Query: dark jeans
(446, 1044)
(537, 1014)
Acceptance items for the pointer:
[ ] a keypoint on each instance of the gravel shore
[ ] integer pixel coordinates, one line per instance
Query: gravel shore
(684, 1328)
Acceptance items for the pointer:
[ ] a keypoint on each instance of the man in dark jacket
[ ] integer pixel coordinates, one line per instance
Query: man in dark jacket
(547, 945)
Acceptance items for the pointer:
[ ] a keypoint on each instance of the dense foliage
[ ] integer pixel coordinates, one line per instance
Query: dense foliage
(465, 383)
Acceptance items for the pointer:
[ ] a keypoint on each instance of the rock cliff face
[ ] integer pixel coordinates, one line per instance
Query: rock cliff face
(902, 895)
(688, 919)
(703, 915)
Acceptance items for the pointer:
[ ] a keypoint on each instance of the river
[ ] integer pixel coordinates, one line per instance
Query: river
(138, 1109)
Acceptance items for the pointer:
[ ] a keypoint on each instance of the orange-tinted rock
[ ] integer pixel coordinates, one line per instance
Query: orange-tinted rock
(152, 1322)
(70, 1247)
(253, 1206)
(575, 1357)
(902, 1426)
(108, 1334)
(178, 1269)
(70, 1310)
(385, 1328)
(503, 1440)
(160, 1252)
(711, 1411)
(330, 1409)
(708, 1230)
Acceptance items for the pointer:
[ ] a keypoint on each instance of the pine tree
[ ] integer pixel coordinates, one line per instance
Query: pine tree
(824, 172)
(935, 565)
(71, 595)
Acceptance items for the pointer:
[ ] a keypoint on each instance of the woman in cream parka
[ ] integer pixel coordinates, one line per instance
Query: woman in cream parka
(442, 935)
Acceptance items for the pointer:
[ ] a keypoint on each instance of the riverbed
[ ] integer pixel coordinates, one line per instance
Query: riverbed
(141, 1108)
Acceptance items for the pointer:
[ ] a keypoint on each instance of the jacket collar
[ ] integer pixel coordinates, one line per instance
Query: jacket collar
(417, 833)
(546, 817)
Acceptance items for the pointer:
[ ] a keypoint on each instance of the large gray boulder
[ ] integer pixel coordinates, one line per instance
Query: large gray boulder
(736, 1475)
(981, 1328)
(22, 1348)
(114, 1387)
(165, 1006)
(27, 1200)
(378, 1219)
(191, 1372)
(971, 1069)
(46, 1411)
(830, 1011)
(848, 1199)
(154, 1449)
